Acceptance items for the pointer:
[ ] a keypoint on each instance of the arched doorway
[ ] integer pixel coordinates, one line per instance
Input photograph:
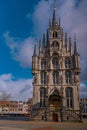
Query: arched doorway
(55, 102)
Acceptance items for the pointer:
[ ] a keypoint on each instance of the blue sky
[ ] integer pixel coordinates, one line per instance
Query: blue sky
(22, 23)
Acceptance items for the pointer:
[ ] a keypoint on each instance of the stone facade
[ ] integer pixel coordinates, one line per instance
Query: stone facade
(56, 69)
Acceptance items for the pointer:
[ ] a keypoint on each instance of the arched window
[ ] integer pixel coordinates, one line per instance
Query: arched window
(67, 63)
(69, 97)
(55, 77)
(68, 77)
(55, 44)
(43, 78)
(55, 34)
(55, 63)
(43, 97)
(43, 64)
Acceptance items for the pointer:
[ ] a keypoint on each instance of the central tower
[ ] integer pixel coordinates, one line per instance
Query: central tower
(56, 69)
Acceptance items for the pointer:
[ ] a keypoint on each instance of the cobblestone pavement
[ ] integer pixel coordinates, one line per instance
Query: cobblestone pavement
(27, 125)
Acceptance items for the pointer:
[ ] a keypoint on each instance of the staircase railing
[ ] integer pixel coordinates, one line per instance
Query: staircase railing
(73, 113)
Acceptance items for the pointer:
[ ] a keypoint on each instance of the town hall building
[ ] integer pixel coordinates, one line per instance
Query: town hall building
(56, 70)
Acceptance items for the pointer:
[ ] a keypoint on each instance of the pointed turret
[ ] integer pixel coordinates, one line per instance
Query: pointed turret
(47, 37)
(44, 40)
(76, 56)
(75, 46)
(54, 20)
(34, 60)
(59, 22)
(70, 45)
(40, 46)
(49, 23)
(34, 54)
(66, 41)
(62, 36)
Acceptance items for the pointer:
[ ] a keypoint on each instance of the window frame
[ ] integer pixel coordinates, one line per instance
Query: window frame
(68, 77)
(43, 77)
(67, 63)
(55, 77)
(69, 97)
(43, 64)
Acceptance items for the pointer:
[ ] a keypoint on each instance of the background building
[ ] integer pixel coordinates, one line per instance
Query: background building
(16, 107)
(13, 106)
(23, 107)
(4, 106)
(83, 102)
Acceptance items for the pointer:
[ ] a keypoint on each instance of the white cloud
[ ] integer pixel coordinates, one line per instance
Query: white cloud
(21, 50)
(20, 89)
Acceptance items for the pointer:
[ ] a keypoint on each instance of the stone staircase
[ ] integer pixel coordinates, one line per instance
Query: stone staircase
(38, 114)
(72, 115)
(62, 115)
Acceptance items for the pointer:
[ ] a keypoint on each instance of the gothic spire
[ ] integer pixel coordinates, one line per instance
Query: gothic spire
(62, 36)
(47, 37)
(44, 40)
(66, 41)
(49, 23)
(34, 54)
(66, 38)
(54, 21)
(75, 46)
(59, 22)
(40, 46)
(70, 45)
